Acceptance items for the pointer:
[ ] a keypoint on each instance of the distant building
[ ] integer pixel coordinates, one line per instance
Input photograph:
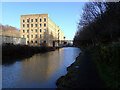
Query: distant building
(9, 31)
(12, 40)
(11, 35)
(39, 29)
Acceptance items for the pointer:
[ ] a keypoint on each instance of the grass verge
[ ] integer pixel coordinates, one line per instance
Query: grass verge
(107, 61)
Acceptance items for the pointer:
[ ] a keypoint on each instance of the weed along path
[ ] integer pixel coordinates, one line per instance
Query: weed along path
(81, 74)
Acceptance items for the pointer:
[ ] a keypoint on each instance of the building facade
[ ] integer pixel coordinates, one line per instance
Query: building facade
(10, 35)
(12, 40)
(39, 29)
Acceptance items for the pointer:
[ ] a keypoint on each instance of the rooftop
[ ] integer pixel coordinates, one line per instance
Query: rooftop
(34, 15)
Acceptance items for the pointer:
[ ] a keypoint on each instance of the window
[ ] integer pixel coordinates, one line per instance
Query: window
(40, 30)
(35, 41)
(27, 20)
(31, 30)
(44, 30)
(40, 25)
(35, 20)
(27, 36)
(35, 30)
(45, 25)
(40, 20)
(31, 20)
(40, 41)
(35, 25)
(23, 31)
(31, 41)
(40, 36)
(28, 42)
(23, 25)
(45, 42)
(23, 36)
(28, 31)
(31, 36)
(44, 36)
(27, 25)
(31, 25)
(44, 19)
(35, 36)
(23, 20)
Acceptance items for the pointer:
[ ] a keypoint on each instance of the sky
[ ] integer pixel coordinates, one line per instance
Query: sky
(64, 14)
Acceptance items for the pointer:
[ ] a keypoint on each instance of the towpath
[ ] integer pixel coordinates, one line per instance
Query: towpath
(82, 74)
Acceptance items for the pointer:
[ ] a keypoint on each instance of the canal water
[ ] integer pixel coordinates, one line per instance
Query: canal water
(40, 70)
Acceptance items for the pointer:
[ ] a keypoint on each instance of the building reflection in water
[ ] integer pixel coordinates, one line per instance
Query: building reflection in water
(40, 67)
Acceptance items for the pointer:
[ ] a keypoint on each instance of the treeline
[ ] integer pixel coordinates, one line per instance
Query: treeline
(99, 24)
(99, 32)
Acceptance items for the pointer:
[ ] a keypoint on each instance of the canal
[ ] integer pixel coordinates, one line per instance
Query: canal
(40, 70)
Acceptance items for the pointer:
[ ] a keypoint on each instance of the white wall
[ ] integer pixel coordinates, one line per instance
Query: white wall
(14, 40)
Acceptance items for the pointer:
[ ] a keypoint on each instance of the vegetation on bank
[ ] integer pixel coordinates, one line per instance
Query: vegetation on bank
(99, 31)
(11, 53)
(107, 59)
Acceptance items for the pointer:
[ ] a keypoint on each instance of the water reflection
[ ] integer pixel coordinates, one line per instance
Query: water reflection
(40, 70)
(41, 67)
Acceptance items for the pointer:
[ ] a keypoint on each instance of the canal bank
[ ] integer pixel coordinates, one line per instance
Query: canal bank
(81, 74)
(11, 53)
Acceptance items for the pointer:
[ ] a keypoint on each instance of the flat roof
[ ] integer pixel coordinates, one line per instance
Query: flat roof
(33, 14)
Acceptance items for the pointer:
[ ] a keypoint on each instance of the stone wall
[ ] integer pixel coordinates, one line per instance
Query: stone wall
(13, 40)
